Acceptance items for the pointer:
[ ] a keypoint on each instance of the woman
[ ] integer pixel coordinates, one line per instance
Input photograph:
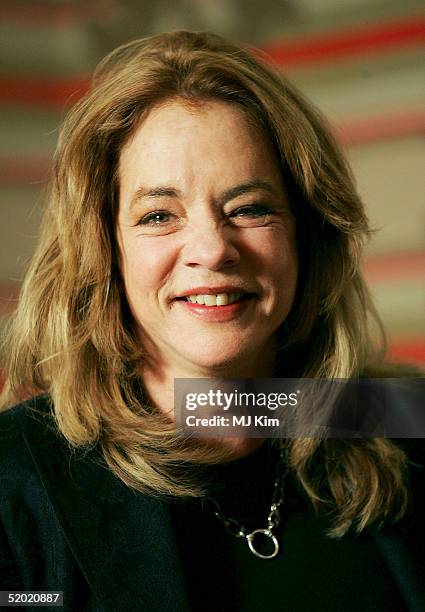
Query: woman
(202, 224)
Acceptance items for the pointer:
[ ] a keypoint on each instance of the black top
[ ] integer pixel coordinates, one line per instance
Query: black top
(67, 523)
(311, 572)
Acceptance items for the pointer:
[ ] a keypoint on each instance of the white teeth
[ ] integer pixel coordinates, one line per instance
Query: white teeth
(220, 299)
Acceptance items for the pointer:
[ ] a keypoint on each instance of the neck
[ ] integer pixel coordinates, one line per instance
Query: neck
(158, 376)
(158, 382)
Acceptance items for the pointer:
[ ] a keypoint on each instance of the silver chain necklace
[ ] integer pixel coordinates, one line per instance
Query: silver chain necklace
(238, 530)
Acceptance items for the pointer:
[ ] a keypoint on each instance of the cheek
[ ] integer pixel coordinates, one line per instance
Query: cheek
(146, 267)
(278, 255)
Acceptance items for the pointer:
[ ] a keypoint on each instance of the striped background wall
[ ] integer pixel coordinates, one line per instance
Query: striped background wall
(361, 63)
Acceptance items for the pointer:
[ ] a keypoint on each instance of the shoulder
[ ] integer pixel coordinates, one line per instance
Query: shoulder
(35, 409)
(32, 417)
(38, 464)
(28, 431)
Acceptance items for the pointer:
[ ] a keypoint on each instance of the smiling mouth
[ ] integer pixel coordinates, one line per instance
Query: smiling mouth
(219, 299)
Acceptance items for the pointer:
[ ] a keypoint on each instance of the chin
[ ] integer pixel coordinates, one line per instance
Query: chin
(235, 355)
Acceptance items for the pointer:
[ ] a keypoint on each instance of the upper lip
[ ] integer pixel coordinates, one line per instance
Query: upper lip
(213, 290)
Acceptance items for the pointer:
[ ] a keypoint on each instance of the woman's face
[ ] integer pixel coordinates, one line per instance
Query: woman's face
(206, 237)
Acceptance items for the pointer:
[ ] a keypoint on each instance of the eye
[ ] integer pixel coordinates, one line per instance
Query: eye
(254, 210)
(159, 223)
(252, 215)
(157, 217)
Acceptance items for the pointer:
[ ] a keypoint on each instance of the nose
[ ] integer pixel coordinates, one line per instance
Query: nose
(210, 245)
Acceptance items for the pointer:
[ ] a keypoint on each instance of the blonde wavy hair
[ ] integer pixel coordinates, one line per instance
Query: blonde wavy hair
(73, 338)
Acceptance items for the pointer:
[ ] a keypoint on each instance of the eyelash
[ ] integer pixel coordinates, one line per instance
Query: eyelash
(149, 219)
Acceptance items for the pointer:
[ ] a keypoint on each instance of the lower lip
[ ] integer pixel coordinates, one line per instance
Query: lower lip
(216, 313)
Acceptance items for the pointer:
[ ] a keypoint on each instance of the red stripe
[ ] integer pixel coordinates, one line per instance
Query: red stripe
(53, 15)
(408, 350)
(383, 127)
(328, 48)
(23, 171)
(357, 41)
(395, 267)
(42, 91)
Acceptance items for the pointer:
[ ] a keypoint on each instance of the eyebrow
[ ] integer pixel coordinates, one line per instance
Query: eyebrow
(230, 194)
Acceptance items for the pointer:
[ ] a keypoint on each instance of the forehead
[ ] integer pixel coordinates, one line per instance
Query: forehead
(176, 137)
